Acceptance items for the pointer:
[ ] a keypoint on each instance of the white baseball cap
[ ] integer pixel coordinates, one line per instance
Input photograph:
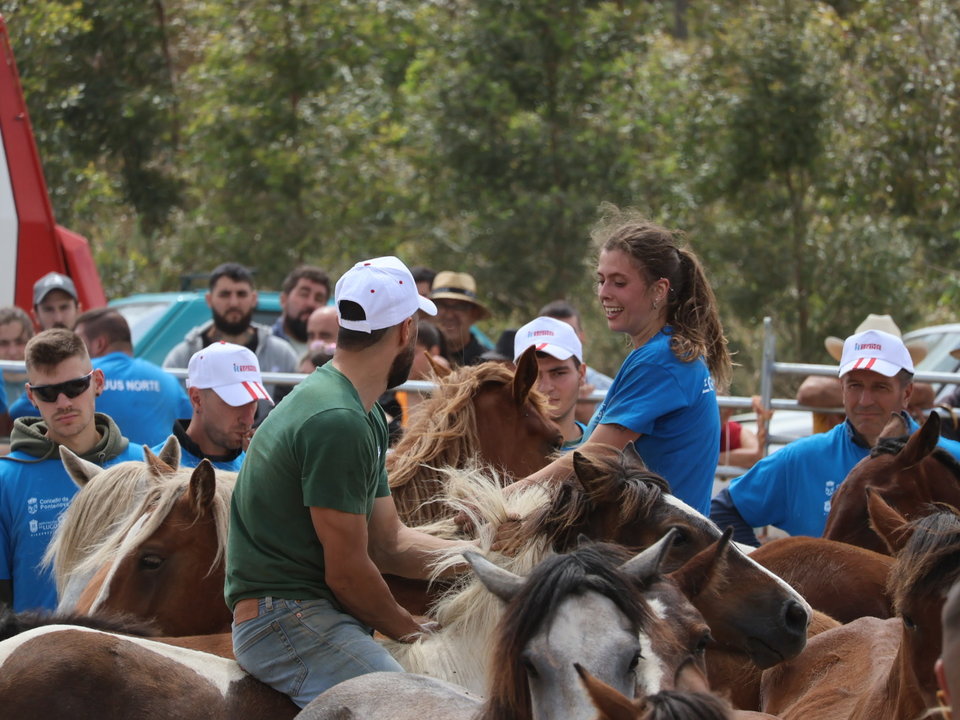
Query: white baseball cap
(386, 291)
(548, 335)
(231, 371)
(875, 350)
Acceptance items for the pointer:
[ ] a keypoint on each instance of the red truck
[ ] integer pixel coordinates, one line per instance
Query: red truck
(31, 242)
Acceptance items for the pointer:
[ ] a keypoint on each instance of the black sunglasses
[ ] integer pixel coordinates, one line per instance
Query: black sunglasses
(70, 388)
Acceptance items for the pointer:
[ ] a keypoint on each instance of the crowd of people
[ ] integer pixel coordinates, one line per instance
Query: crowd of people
(313, 524)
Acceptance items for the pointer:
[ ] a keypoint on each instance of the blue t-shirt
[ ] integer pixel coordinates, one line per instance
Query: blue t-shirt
(673, 406)
(189, 460)
(143, 399)
(33, 495)
(791, 488)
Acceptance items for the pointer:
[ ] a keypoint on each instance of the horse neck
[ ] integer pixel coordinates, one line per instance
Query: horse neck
(896, 698)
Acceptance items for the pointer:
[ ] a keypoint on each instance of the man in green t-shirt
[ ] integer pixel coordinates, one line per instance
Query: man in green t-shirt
(312, 522)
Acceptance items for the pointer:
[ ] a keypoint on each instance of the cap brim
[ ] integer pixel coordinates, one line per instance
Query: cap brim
(887, 369)
(427, 305)
(834, 346)
(553, 350)
(237, 394)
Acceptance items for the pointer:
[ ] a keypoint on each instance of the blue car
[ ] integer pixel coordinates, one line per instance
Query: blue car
(159, 321)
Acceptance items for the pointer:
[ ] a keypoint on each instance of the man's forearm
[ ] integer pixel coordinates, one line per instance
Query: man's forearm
(414, 553)
(362, 591)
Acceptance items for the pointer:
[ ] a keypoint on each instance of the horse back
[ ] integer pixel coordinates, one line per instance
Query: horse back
(837, 671)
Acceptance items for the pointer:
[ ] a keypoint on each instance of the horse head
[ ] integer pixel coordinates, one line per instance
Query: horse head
(908, 472)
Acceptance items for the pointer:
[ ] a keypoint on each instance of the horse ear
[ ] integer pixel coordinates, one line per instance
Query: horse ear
(921, 443)
(441, 371)
(896, 427)
(81, 471)
(610, 703)
(502, 583)
(891, 526)
(170, 452)
(697, 572)
(647, 564)
(203, 487)
(588, 474)
(167, 462)
(525, 376)
(631, 455)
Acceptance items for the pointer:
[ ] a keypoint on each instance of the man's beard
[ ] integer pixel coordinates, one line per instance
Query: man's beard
(232, 328)
(400, 369)
(296, 327)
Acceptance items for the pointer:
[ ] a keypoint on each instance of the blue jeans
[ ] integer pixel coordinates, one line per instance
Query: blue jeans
(303, 647)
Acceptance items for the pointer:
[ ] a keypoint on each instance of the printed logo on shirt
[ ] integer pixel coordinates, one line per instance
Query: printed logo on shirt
(32, 506)
(708, 385)
(132, 385)
(829, 488)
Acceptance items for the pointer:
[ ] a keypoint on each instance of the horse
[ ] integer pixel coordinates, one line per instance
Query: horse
(694, 704)
(485, 411)
(874, 668)
(583, 607)
(844, 581)
(84, 673)
(164, 562)
(611, 496)
(106, 497)
(909, 472)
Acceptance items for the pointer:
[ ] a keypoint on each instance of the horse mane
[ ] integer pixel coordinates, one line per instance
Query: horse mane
(893, 446)
(593, 567)
(12, 623)
(679, 705)
(930, 561)
(442, 432)
(561, 519)
(96, 510)
(152, 510)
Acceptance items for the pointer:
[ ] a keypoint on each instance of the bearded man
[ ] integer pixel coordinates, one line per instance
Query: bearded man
(232, 298)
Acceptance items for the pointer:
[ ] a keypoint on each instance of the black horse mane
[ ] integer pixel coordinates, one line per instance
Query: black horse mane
(893, 445)
(12, 623)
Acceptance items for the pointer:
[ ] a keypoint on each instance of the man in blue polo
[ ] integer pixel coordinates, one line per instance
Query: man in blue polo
(225, 386)
(791, 489)
(34, 486)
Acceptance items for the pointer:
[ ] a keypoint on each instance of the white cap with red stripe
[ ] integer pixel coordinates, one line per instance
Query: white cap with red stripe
(875, 350)
(231, 371)
(550, 336)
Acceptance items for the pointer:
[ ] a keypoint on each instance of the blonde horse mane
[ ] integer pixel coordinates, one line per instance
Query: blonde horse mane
(442, 434)
(154, 507)
(106, 500)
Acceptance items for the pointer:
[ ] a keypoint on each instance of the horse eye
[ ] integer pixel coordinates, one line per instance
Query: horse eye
(529, 667)
(908, 623)
(634, 661)
(680, 535)
(151, 562)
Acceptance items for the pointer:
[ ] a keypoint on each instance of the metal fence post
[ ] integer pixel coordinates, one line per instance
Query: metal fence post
(767, 369)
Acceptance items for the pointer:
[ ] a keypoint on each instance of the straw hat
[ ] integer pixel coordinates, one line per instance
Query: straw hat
(883, 323)
(449, 285)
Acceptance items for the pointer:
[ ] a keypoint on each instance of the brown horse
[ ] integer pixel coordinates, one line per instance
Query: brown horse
(64, 671)
(165, 562)
(873, 668)
(844, 581)
(909, 472)
(487, 414)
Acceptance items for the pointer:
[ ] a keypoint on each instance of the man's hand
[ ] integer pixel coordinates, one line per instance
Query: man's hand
(427, 627)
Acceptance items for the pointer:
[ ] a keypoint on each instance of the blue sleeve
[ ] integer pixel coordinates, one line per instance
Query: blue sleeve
(6, 544)
(725, 514)
(762, 494)
(22, 407)
(951, 446)
(644, 394)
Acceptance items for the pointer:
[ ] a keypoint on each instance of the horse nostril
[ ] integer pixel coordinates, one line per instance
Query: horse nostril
(796, 617)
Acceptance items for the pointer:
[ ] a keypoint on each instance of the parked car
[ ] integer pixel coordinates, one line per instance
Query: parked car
(158, 321)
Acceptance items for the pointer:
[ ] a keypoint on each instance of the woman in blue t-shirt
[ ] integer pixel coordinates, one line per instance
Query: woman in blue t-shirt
(664, 397)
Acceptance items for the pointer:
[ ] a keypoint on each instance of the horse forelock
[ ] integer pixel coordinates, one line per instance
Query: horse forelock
(94, 513)
(929, 563)
(590, 568)
(153, 509)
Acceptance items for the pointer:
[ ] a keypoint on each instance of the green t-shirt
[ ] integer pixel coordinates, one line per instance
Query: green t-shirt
(317, 448)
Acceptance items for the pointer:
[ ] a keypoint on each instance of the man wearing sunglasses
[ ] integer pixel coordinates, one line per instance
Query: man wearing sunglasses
(34, 486)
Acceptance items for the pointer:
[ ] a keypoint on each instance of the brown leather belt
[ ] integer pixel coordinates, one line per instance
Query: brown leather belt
(246, 610)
